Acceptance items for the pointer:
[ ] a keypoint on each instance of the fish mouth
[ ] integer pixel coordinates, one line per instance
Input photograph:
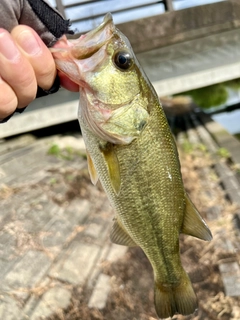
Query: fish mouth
(87, 44)
(92, 41)
(73, 57)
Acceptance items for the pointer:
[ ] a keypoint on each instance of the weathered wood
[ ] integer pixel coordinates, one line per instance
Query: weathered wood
(223, 137)
(177, 26)
(226, 175)
(195, 133)
(68, 244)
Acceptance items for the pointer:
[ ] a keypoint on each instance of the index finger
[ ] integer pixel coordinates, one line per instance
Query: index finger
(37, 53)
(16, 70)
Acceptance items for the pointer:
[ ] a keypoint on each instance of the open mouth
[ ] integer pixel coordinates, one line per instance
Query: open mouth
(91, 42)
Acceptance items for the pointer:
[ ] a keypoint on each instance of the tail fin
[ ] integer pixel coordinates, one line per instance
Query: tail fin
(180, 299)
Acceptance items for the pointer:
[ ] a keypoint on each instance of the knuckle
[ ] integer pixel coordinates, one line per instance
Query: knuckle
(45, 69)
(18, 74)
(8, 100)
(24, 84)
(27, 95)
(46, 75)
(45, 72)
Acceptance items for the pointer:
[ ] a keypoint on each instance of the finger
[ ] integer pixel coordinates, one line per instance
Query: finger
(34, 49)
(8, 100)
(16, 70)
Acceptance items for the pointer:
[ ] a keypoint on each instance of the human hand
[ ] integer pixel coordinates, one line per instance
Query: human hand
(25, 63)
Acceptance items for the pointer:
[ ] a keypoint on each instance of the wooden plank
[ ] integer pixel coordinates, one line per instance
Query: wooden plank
(178, 26)
(222, 137)
(226, 175)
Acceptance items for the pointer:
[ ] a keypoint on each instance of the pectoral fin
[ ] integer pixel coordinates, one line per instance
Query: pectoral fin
(113, 166)
(119, 235)
(193, 223)
(92, 170)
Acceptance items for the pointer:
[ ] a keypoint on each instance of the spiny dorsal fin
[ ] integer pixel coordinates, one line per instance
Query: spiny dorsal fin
(119, 235)
(113, 166)
(193, 223)
(91, 169)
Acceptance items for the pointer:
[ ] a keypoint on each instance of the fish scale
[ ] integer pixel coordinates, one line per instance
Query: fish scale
(136, 185)
(131, 150)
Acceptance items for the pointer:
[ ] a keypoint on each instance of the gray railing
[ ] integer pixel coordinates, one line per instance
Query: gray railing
(85, 15)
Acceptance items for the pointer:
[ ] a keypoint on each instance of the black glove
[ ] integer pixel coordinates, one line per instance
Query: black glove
(44, 19)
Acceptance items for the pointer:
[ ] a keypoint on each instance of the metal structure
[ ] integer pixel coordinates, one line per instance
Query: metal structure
(85, 15)
(126, 6)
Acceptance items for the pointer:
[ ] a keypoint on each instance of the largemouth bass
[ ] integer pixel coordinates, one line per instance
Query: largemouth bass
(130, 148)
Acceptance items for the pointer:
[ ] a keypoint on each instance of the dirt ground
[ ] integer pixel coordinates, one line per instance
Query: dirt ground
(131, 296)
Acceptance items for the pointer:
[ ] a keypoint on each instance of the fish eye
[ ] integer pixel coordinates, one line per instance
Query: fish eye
(123, 60)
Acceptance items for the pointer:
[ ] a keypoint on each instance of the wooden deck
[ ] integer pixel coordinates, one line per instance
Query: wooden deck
(54, 225)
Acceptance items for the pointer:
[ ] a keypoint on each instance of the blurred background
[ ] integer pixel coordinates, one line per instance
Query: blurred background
(56, 259)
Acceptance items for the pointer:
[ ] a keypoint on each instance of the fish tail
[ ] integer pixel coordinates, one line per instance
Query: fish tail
(171, 300)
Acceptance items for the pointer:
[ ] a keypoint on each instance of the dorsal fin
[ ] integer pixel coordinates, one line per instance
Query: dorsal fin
(193, 223)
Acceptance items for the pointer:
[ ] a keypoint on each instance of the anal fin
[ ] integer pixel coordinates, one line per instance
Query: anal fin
(119, 235)
(193, 224)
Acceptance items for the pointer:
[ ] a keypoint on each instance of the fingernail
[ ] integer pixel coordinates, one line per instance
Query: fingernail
(29, 43)
(7, 47)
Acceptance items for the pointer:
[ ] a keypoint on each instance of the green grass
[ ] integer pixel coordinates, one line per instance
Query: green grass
(67, 153)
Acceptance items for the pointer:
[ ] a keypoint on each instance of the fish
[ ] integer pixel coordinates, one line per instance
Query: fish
(131, 150)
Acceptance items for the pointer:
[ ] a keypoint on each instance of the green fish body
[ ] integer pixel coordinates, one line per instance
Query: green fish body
(131, 149)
